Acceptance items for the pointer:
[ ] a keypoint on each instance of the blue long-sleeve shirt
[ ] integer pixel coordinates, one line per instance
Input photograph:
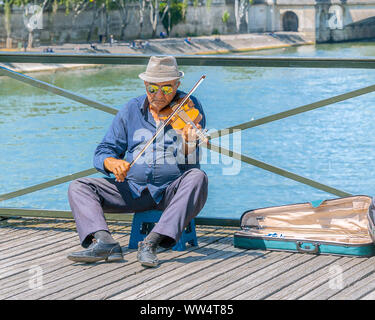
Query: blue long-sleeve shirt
(164, 160)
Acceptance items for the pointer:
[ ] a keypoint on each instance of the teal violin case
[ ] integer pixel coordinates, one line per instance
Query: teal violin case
(336, 226)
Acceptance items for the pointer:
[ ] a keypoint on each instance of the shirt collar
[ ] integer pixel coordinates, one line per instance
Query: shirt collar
(144, 105)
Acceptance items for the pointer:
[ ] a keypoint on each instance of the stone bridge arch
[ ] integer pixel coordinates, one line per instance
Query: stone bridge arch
(290, 21)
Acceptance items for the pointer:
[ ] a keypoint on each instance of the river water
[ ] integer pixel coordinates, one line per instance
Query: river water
(44, 136)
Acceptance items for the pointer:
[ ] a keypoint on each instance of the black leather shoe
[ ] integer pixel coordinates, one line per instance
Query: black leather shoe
(146, 254)
(98, 251)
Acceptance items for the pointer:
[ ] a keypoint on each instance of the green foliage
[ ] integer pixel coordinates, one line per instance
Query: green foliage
(185, 4)
(177, 12)
(70, 4)
(225, 17)
(55, 6)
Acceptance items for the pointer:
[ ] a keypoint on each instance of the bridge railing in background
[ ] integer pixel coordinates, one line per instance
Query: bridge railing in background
(227, 61)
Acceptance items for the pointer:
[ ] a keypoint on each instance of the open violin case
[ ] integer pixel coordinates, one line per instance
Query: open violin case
(338, 226)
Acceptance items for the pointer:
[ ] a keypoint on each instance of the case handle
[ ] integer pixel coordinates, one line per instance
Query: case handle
(308, 248)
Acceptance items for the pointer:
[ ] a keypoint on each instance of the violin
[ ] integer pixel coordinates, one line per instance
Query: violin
(186, 115)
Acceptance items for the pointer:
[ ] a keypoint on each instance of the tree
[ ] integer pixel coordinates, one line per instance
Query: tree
(8, 4)
(98, 7)
(54, 4)
(225, 18)
(124, 12)
(165, 10)
(154, 15)
(171, 13)
(101, 6)
(77, 6)
(240, 11)
(8, 27)
(142, 9)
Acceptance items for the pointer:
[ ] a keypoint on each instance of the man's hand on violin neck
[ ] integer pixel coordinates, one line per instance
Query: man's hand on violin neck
(118, 167)
(189, 134)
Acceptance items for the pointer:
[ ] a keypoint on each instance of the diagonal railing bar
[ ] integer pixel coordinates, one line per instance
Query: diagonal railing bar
(217, 149)
(56, 90)
(191, 60)
(48, 184)
(279, 171)
(250, 124)
(292, 112)
(212, 147)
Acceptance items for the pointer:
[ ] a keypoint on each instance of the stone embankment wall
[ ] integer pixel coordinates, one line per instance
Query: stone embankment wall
(60, 27)
(325, 20)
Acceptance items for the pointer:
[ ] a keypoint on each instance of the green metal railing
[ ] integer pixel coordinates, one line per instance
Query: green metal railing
(238, 61)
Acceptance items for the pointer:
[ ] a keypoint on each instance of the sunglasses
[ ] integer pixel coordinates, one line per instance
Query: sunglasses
(153, 88)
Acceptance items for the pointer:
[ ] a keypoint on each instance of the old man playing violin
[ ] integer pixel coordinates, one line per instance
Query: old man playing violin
(166, 177)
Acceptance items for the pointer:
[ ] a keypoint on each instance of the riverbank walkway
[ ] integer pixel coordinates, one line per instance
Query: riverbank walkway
(33, 265)
(205, 45)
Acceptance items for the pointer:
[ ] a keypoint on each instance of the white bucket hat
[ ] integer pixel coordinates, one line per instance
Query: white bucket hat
(161, 69)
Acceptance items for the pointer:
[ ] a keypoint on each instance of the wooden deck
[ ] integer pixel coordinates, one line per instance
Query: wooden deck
(33, 265)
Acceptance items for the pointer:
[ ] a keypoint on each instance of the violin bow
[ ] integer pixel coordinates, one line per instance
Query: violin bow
(161, 128)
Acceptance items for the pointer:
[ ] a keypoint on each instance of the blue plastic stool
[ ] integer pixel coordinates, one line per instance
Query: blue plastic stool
(143, 222)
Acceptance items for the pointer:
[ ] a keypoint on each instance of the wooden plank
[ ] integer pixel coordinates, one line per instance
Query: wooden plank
(152, 289)
(59, 259)
(359, 289)
(251, 280)
(134, 280)
(56, 267)
(225, 276)
(92, 271)
(349, 277)
(46, 245)
(56, 258)
(10, 255)
(287, 278)
(135, 270)
(52, 271)
(19, 237)
(229, 277)
(35, 243)
(312, 280)
(39, 256)
(205, 274)
(29, 256)
(10, 232)
(52, 261)
(19, 234)
(369, 296)
(35, 223)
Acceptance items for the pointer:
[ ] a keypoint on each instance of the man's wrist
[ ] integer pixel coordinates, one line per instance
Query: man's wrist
(190, 143)
(107, 163)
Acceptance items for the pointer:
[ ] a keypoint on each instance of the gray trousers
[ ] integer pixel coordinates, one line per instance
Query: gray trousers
(183, 199)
